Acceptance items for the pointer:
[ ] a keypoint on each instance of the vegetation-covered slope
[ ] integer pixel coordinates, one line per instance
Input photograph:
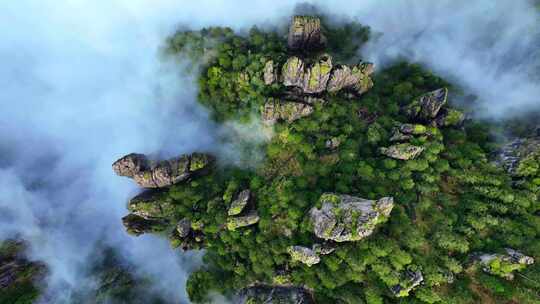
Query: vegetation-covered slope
(391, 135)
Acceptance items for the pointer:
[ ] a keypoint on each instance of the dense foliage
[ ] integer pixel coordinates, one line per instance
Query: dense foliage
(451, 200)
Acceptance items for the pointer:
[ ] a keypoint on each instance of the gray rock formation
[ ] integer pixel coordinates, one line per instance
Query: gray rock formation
(357, 78)
(512, 154)
(427, 106)
(234, 223)
(183, 227)
(317, 75)
(241, 201)
(410, 279)
(305, 34)
(151, 203)
(504, 265)
(150, 174)
(343, 218)
(269, 74)
(289, 111)
(262, 294)
(304, 255)
(137, 225)
(293, 72)
(404, 151)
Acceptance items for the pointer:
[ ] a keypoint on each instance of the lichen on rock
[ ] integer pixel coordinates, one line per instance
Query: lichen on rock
(304, 255)
(317, 75)
(427, 106)
(234, 223)
(343, 218)
(404, 151)
(504, 265)
(289, 111)
(241, 201)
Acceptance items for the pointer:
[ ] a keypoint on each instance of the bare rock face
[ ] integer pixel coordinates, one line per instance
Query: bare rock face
(317, 75)
(183, 227)
(305, 33)
(504, 265)
(241, 201)
(151, 203)
(343, 218)
(304, 255)
(410, 279)
(149, 174)
(137, 225)
(288, 111)
(263, 294)
(404, 151)
(234, 223)
(427, 106)
(269, 74)
(293, 72)
(357, 78)
(514, 155)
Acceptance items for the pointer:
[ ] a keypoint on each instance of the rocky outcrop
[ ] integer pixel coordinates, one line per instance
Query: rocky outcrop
(504, 265)
(293, 72)
(410, 279)
(405, 132)
(449, 117)
(269, 73)
(305, 34)
(183, 227)
(427, 106)
(304, 255)
(317, 75)
(404, 151)
(511, 155)
(343, 218)
(151, 203)
(151, 174)
(263, 294)
(357, 78)
(234, 223)
(241, 201)
(137, 225)
(275, 110)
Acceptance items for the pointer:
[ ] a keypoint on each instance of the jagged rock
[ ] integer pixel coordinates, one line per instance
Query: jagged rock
(343, 218)
(151, 203)
(148, 174)
(449, 117)
(403, 151)
(410, 281)
(240, 202)
(427, 106)
(405, 132)
(304, 255)
(332, 143)
(242, 221)
(131, 164)
(137, 225)
(514, 153)
(343, 77)
(269, 73)
(293, 72)
(183, 228)
(288, 111)
(504, 265)
(305, 33)
(275, 295)
(323, 249)
(317, 75)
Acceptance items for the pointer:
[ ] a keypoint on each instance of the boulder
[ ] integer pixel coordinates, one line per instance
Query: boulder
(131, 164)
(449, 118)
(151, 203)
(504, 265)
(427, 106)
(234, 223)
(183, 227)
(305, 34)
(343, 218)
(357, 78)
(323, 249)
(317, 75)
(293, 72)
(269, 74)
(137, 225)
(304, 255)
(149, 174)
(262, 294)
(289, 111)
(241, 201)
(404, 151)
(410, 279)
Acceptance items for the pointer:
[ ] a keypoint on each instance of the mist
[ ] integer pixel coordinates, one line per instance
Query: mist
(83, 83)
